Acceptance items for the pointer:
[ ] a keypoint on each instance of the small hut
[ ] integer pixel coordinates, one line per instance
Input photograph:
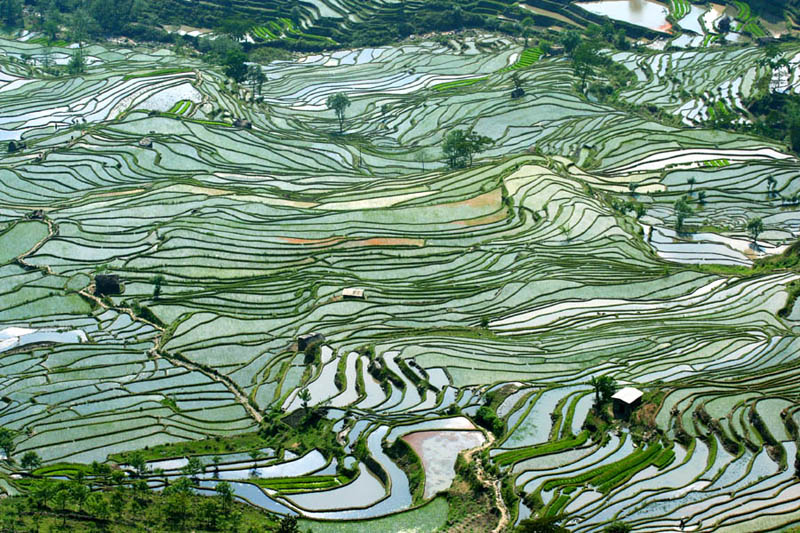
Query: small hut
(625, 401)
(309, 340)
(243, 123)
(146, 142)
(107, 284)
(354, 294)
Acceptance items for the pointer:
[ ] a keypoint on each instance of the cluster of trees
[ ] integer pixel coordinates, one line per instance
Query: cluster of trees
(459, 147)
(117, 503)
(85, 19)
(11, 13)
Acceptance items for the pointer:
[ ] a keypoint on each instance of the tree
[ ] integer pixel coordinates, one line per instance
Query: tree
(255, 455)
(570, 40)
(584, 57)
(460, 147)
(771, 183)
(110, 16)
(79, 493)
(234, 27)
(755, 227)
(682, 211)
(11, 13)
(62, 499)
(138, 463)
(97, 506)
(516, 81)
(193, 468)
(77, 63)
(234, 65)
(30, 461)
(604, 388)
(225, 493)
(216, 460)
(691, 181)
(724, 25)
(339, 102)
(157, 282)
(544, 524)
(6, 442)
(288, 525)
(257, 77)
(305, 398)
(42, 491)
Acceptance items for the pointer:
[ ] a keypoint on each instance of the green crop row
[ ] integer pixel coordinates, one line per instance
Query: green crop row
(680, 8)
(608, 476)
(457, 83)
(527, 58)
(515, 456)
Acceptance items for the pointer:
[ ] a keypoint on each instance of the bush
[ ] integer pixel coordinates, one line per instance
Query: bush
(487, 418)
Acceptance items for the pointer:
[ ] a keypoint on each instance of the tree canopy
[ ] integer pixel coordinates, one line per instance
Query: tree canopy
(460, 147)
(339, 102)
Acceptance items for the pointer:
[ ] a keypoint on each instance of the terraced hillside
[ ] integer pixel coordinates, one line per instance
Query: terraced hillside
(494, 293)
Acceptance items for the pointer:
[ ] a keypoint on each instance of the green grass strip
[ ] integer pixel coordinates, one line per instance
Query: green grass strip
(457, 83)
(514, 456)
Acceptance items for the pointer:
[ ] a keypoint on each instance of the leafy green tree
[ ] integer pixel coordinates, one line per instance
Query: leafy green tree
(682, 211)
(225, 494)
(516, 81)
(691, 181)
(6, 442)
(234, 27)
(755, 226)
(216, 460)
(97, 506)
(460, 147)
(604, 388)
(139, 464)
(77, 63)
(62, 499)
(305, 398)
(570, 40)
(193, 467)
(288, 525)
(234, 65)
(158, 280)
(255, 455)
(42, 492)
(11, 13)
(584, 58)
(30, 461)
(339, 102)
(79, 493)
(257, 77)
(771, 183)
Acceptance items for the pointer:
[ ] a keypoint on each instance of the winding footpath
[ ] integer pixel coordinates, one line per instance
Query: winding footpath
(489, 482)
(156, 351)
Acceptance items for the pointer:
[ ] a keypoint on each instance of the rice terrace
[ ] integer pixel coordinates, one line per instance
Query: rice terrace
(399, 266)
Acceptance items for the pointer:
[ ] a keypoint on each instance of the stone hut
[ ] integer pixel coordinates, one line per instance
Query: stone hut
(625, 401)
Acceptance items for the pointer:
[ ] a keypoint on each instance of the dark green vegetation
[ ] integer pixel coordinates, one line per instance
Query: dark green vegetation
(82, 506)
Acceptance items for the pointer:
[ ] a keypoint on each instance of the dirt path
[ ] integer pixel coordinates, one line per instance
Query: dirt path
(489, 481)
(156, 351)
